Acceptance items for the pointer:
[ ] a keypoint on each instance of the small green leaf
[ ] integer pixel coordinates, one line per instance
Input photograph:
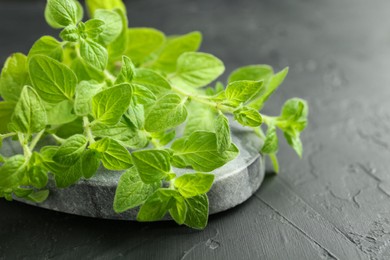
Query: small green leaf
(242, 91)
(179, 210)
(222, 131)
(294, 141)
(6, 112)
(113, 155)
(136, 115)
(85, 71)
(252, 72)
(14, 77)
(93, 5)
(70, 33)
(60, 113)
(48, 46)
(169, 111)
(194, 184)
(200, 151)
(71, 150)
(197, 211)
(157, 205)
(122, 132)
(131, 191)
(85, 90)
(200, 118)
(12, 172)
(173, 48)
(67, 175)
(152, 165)
(142, 43)
(153, 81)
(90, 163)
(143, 96)
(38, 177)
(196, 69)
(94, 27)
(38, 196)
(271, 85)
(94, 54)
(295, 109)
(127, 71)
(109, 105)
(248, 116)
(29, 115)
(271, 141)
(53, 80)
(117, 48)
(112, 25)
(61, 13)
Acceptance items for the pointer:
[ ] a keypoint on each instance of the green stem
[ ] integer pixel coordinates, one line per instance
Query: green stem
(203, 100)
(87, 130)
(259, 132)
(275, 162)
(109, 76)
(26, 150)
(58, 139)
(36, 139)
(7, 135)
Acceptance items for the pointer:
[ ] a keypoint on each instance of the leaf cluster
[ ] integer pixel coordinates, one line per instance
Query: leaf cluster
(110, 96)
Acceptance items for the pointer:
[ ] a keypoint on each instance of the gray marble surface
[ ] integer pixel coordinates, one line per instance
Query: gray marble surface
(234, 183)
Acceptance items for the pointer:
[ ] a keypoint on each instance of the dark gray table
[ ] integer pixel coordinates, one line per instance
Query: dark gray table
(332, 204)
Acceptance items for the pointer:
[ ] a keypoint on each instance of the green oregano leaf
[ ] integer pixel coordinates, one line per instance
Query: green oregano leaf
(94, 54)
(152, 165)
(271, 141)
(169, 111)
(12, 172)
(196, 69)
(109, 105)
(248, 116)
(132, 191)
(53, 80)
(197, 211)
(194, 184)
(14, 77)
(71, 150)
(114, 156)
(179, 210)
(222, 131)
(93, 5)
(127, 71)
(200, 151)
(142, 43)
(112, 25)
(30, 114)
(61, 13)
(157, 205)
(48, 46)
(6, 112)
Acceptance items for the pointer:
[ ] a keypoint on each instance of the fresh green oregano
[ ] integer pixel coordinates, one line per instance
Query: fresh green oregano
(111, 96)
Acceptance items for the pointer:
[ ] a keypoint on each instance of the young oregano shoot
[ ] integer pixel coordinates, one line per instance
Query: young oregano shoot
(106, 95)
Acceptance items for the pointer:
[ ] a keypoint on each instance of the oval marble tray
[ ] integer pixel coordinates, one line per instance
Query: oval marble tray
(235, 182)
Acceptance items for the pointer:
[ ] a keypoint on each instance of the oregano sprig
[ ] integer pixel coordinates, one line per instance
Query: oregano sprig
(106, 95)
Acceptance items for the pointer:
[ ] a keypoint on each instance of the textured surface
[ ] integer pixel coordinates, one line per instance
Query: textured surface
(234, 183)
(332, 204)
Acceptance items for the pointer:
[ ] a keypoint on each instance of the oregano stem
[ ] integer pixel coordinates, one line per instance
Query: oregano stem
(36, 139)
(26, 150)
(87, 130)
(7, 135)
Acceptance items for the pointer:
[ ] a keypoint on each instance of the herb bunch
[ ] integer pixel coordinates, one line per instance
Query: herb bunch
(112, 95)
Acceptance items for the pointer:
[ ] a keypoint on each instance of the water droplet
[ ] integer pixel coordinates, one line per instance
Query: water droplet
(212, 244)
